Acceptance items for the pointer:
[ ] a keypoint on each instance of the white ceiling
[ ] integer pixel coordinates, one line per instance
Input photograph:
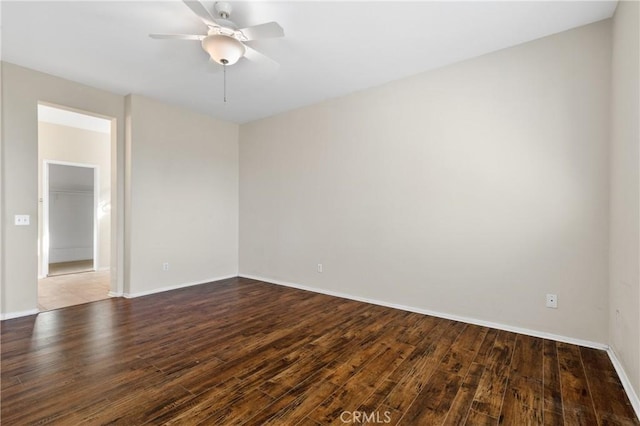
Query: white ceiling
(329, 49)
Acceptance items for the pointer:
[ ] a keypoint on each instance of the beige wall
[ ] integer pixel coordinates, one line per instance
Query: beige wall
(182, 182)
(624, 308)
(183, 194)
(71, 144)
(472, 190)
(22, 89)
(2, 177)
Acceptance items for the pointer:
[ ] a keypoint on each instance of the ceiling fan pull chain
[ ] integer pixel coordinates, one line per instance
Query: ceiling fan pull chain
(224, 72)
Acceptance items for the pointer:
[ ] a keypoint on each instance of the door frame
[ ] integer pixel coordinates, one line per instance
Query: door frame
(45, 210)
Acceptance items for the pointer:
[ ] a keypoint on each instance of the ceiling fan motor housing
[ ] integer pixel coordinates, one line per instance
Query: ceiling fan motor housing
(223, 49)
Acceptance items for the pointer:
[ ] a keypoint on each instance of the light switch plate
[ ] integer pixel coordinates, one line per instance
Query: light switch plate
(22, 219)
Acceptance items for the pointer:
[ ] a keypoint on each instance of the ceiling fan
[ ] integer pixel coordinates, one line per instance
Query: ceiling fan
(224, 42)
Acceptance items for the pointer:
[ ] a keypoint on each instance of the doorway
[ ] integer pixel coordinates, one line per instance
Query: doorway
(74, 226)
(70, 206)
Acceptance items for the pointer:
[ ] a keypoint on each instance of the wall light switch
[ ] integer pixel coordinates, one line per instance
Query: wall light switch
(22, 219)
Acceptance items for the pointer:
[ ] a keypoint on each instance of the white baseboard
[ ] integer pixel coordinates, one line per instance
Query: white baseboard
(175, 287)
(468, 320)
(115, 294)
(11, 315)
(626, 383)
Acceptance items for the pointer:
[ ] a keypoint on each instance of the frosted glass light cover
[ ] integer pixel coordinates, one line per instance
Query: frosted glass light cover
(223, 49)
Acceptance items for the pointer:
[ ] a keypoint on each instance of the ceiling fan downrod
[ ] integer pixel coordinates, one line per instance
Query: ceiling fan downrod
(223, 8)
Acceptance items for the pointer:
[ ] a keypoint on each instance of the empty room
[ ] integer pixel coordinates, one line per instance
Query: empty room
(315, 213)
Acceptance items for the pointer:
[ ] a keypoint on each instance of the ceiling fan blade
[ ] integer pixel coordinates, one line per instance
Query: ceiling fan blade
(255, 56)
(266, 30)
(202, 12)
(177, 36)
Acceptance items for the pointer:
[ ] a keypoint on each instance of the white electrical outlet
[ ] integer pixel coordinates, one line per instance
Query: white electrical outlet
(320, 267)
(21, 219)
(165, 266)
(552, 301)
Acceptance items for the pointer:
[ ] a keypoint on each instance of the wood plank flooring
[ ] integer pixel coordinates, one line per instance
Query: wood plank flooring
(241, 351)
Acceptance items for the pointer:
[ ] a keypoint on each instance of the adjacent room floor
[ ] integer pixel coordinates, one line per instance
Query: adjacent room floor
(60, 291)
(241, 351)
(63, 268)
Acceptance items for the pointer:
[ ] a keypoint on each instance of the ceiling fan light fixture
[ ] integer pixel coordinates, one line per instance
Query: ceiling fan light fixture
(223, 49)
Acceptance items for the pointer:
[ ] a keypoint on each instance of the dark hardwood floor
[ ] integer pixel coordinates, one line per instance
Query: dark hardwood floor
(245, 352)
